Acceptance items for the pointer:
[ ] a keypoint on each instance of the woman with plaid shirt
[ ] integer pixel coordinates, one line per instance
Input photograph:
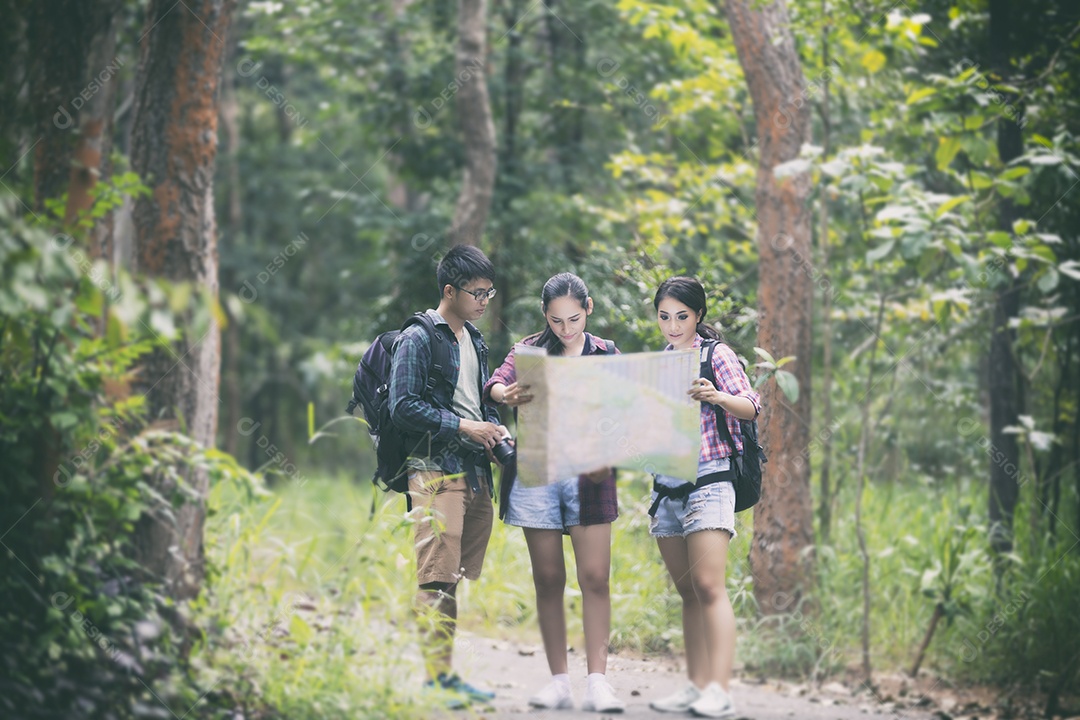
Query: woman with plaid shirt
(584, 507)
(694, 519)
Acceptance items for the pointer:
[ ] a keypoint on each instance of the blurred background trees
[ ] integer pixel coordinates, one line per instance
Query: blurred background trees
(933, 144)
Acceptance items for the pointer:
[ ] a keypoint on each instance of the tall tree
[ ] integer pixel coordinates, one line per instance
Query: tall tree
(174, 146)
(90, 160)
(62, 35)
(783, 526)
(65, 75)
(234, 227)
(1003, 367)
(477, 126)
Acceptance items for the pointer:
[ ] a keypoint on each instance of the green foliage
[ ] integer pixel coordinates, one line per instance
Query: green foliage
(310, 616)
(657, 177)
(628, 152)
(86, 630)
(1025, 634)
(955, 569)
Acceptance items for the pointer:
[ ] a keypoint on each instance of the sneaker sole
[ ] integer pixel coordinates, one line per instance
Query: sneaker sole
(671, 709)
(609, 709)
(544, 706)
(726, 715)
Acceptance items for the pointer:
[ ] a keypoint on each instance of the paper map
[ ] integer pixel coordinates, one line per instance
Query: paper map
(587, 413)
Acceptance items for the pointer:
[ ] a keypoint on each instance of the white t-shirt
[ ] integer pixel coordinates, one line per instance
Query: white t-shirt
(467, 392)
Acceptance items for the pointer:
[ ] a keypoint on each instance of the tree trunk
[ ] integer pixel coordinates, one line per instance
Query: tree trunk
(15, 61)
(1050, 486)
(825, 501)
(939, 611)
(90, 162)
(232, 391)
(865, 435)
(566, 117)
(1004, 373)
(61, 33)
(477, 126)
(783, 524)
(174, 145)
(511, 183)
(398, 192)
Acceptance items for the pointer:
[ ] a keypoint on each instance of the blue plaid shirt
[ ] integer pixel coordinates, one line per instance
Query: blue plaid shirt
(428, 420)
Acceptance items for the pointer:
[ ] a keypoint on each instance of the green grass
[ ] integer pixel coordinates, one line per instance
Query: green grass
(311, 606)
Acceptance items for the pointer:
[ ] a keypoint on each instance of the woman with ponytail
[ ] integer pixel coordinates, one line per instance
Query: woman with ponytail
(694, 518)
(584, 507)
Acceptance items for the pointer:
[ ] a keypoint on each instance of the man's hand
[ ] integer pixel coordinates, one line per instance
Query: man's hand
(485, 433)
(505, 434)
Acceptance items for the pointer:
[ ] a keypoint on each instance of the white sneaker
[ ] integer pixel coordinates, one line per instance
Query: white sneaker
(713, 703)
(679, 702)
(600, 697)
(553, 696)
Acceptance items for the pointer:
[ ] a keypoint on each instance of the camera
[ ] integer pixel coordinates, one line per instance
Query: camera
(503, 451)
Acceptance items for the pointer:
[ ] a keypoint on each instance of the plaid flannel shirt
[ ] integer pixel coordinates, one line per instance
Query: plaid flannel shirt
(429, 418)
(598, 501)
(732, 379)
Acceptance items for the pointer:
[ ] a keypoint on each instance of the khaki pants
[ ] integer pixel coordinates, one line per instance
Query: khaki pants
(453, 526)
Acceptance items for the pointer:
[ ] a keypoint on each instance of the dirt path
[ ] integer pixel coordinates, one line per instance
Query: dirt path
(515, 671)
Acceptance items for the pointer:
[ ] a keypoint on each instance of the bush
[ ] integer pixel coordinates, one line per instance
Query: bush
(85, 631)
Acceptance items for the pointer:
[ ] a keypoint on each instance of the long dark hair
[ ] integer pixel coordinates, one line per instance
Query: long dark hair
(690, 293)
(562, 285)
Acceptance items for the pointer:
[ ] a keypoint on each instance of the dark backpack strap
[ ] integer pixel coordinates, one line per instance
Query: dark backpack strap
(440, 349)
(663, 491)
(604, 347)
(706, 364)
(683, 492)
(709, 374)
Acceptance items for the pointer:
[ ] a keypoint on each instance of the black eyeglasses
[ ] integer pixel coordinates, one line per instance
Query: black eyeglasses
(480, 295)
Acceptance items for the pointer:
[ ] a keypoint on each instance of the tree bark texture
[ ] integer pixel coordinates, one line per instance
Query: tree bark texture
(174, 147)
(90, 161)
(61, 34)
(783, 523)
(477, 126)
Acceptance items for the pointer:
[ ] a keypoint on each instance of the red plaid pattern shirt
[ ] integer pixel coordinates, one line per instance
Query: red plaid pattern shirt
(732, 379)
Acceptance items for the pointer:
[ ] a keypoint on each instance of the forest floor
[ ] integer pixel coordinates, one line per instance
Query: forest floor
(514, 671)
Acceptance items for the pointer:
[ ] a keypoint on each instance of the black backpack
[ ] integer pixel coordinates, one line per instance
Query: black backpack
(371, 391)
(747, 465)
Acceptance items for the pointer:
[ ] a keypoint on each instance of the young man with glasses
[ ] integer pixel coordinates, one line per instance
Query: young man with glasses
(451, 432)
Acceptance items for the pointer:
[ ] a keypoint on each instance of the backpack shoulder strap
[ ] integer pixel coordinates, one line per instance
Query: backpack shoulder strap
(440, 347)
(709, 347)
(602, 346)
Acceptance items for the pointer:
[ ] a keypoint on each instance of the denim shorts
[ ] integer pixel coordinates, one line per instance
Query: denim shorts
(711, 507)
(548, 507)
